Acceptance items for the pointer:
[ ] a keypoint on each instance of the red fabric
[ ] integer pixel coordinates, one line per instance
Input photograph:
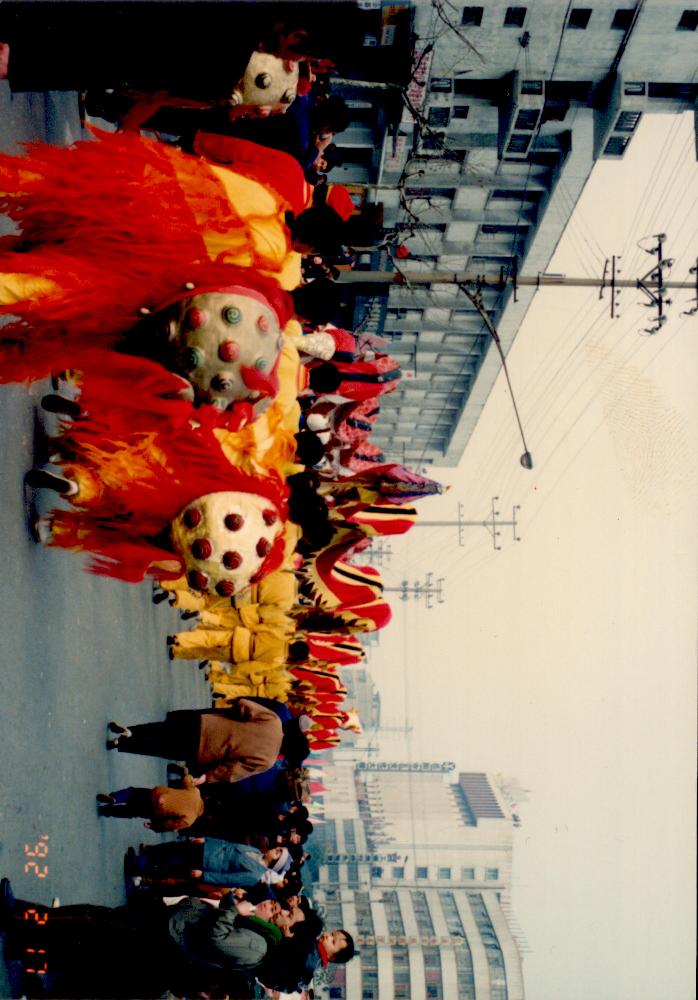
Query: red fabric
(118, 525)
(339, 199)
(116, 225)
(270, 167)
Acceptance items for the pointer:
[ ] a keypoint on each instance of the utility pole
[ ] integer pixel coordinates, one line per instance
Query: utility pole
(500, 280)
(492, 524)
(378, 552)
(428, 590)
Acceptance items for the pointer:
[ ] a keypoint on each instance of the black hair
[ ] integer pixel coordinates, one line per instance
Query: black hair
(346, 953)
(332, 156)
(318, 301)
(331, 114)
(298, 650)
(309, 449)
(324, 378)
(318, 227)
(294, 745)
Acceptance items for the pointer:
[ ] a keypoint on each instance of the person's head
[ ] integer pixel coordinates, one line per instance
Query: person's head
(309, 448)
(294, 745)
(278, 859)
(298, 651)
(318, 301)
(330, 115)
(338, 945)
(316, 230)
(324, 378)
(271, 910)
(328, 159)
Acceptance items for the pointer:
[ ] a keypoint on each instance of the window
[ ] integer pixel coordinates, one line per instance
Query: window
(688, 21)
(623, 18)
(531, 86)
(441, 85)
(398, 872)
(526, 120)
(461, 110)
(472, 16)
(492, 874)
(433, 142)
(514, 17)
(376, 871)
(518, 143)
(467, 874)
(674, 91)
(444, 873)
(421, 872)
(634, 89)
(439, 117)
(579, 17)
(616, 145)
(627, 121)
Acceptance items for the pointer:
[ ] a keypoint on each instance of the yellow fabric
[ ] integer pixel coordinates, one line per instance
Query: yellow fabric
(269, 442)
(18, 287)
(259, 208)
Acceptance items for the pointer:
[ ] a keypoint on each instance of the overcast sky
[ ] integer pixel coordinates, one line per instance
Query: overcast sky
(568, 658)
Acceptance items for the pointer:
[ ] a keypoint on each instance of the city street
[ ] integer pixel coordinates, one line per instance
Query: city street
(76, 651)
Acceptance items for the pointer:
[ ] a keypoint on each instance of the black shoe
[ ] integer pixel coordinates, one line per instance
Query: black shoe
(7, 903)
(171, 640)
(112, 744)
(116, 727)
(66, 407)
(105, 800)
(159, 598)
(40, 479)
(187, 615)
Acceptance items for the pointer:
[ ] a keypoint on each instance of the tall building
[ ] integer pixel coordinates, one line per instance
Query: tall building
(511, 107)
(416, 863)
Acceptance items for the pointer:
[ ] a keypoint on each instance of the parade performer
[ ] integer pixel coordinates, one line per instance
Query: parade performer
(163, 504)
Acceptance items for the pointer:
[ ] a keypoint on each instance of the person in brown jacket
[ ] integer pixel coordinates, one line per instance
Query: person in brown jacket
(226, 744)
(165, 808)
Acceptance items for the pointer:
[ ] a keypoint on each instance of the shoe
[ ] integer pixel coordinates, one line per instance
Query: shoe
(204, 664)
(170, 652)
(55, 403)
(7, 903)
(40, 479)
(171, 640)
(103, 811)
(160, 596)
(112, 744)
(188, 615)
(40, 530)
(105, 800)
(115, 727)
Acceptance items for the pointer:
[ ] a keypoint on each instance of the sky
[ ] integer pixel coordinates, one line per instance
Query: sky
(568, 658)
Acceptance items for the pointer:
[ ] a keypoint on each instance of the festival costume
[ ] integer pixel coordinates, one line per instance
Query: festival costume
(132, 489)
(123, 224)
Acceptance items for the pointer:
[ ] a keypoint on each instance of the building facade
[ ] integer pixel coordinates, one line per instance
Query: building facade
(417, 865)
(510, 106)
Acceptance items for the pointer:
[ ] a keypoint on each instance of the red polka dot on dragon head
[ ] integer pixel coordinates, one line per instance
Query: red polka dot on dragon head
(201, 548)
(263, 547)
(192, 517)
(197, 580)
(232, 560)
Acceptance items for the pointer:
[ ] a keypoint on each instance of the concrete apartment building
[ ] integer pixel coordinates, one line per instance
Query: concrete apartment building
(513, 104)
(417, 866)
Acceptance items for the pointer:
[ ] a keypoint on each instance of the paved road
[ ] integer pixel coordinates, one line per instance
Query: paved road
(75, 651)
